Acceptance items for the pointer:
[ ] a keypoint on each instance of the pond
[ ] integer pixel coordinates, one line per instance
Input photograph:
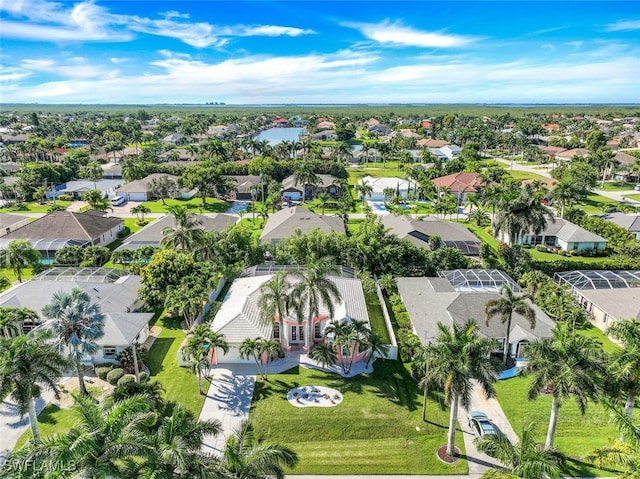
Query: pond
(278, 135)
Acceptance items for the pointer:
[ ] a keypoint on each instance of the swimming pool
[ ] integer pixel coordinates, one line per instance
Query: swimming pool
(237, 207)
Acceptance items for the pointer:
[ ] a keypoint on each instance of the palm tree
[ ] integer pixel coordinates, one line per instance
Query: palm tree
(187, 234)
(92, 171)
(566, 192)
(304, 175)
(174, 450)
(28, 363)
(325, 354)
(566, 365)
(243, 458)
(251, 348)
(274, 299)
(457, 356)
(13, 319)
(133, 170)
(519, 215)
(363, 189)
(18, 255)
(323, 200)
(102, 439)
(140, 211)
(270, 348)
(625, 362)
(313, 290)
(201, 341)
(524, 459)
(375, 345)
(77, 325)
(504, 307)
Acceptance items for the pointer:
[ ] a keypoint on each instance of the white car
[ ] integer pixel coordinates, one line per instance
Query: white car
(481, 425)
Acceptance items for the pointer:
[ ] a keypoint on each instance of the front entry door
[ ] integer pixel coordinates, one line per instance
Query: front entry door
(297, 334)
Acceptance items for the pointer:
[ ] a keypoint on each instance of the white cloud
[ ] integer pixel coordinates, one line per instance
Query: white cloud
(86, 21)
(397, 34)
(75, 68)
(274, 31)
(623, 26)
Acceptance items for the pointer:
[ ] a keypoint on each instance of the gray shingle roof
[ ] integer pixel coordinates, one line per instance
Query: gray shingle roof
(152, 233)
(8, 219)
(142, 185)
(629, 222)
(325, 182)
(285, 222)
(570, 232)
(619, 303)
(66, 225)
(427, 304)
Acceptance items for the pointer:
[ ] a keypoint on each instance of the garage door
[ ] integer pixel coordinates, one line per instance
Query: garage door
(137, 196)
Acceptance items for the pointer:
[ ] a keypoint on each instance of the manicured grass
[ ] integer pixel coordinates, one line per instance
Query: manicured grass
(194, 205)
(27, 273)
(373, 431)
(576, 435)
(376, 317)
(378, 172)
(35, 207)
(635, 196)
(597, 334)
(525, 175)
(179, 383)
(542, 256)
(481, 232)
(616, 186)
(596, 204)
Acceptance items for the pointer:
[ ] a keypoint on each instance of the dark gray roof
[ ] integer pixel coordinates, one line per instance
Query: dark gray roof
(8, 219)
(570, 232)
(285, 222)
(324, 181)
(428, 302)
(244, 182)
(419, 232)
(629, 222)
(67, 225)
(142, 186)
(619, 303)
(151, 235)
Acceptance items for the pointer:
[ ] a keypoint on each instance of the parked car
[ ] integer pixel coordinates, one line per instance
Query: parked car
(480, 424)
(637, 187)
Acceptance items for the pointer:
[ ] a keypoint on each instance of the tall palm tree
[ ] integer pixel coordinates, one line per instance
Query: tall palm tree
(313, 290)
(251, 348)
(12, 320)
(92, 171)
(243, 458)
(566, 192)
(624, 364)
(457, 356)
(28, 363)
(523, 459)
(519, 215)
(174, 449)
(504, 308)
(566, 365)
(102, 439)
(274, 299)
(363, 189)
(187, 234)
(18, 255)
(323, 200)
(77, 325)
(201, 341)
(304, 175)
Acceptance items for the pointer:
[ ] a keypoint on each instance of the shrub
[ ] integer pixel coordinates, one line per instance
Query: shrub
(114, 375)
(542, 248)
(103, 371)
(395, 299)
(65, 197)
(124, 232)
(142, 222)
(403, 320)
(127, 378)
(142, 376)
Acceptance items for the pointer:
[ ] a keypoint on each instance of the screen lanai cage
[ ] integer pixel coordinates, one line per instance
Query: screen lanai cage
(479, 279)
(599, 279)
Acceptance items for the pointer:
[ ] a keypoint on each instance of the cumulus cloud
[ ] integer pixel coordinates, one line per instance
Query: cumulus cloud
(399, 35)
(86, 21)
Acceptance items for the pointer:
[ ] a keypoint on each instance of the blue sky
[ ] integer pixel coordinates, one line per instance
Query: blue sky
(243, 52)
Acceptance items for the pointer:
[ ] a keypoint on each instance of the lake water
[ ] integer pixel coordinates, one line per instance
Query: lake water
(277, 135)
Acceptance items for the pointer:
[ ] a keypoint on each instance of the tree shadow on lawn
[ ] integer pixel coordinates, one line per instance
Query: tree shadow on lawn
(157, 353)
(217, 207)
(47, 416)
(265, 390)
(172, 322)
(576, 468)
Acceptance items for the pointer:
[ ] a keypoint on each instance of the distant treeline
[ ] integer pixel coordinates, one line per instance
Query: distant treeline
(427, 110)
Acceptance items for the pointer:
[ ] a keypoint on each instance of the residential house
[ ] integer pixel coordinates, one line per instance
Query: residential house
(115, 291)
(451, 151)
(279, 122)
(58, 229)
(419, 232)
(240, 316)
(151, 234)
(175, 139)
(382, 187)
(293, 191)
(459, 184)
(114, 172)
(551, 151)
(76, 188)
(138, 190)
(629, 222)
(10, 222)
(289, 221)
(379, 130)
(569, 154)
(245, 184)
(563, 235)
(326, 125)
(608, 296)
(430, 301)
(432, 143)
(438, 153)
(324, 135)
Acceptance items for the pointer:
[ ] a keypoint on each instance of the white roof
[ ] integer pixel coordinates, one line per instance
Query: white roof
(380, 184)
(239, 317)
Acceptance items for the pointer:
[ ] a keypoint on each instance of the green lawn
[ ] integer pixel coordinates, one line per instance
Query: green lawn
(481, 232)
(542, 256)
(616, 186)
(576, 434)
(27, 273)
(524, 175)
(377, 429)
(378, 172)
(194, 205)
(635, 196)
(597, 334)
(596, 204)
(35, 207)
(179, 383)
(376, 317)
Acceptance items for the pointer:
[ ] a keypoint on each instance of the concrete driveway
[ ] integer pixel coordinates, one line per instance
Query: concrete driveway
(478, 461)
